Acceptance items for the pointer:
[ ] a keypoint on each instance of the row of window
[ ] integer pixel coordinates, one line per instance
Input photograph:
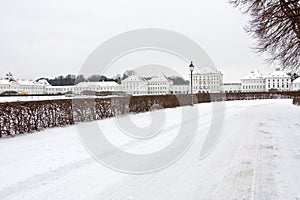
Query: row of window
(207, 82)
(78, 89)
(253, 87)
(157, 92)
(180, 87)
(134, 83)
(215, 77)
(282, 80)
(163, 83)
(278, 85)
(157, 88)
(211, 87)
(253, 81)
(144, 83)
(20, 87)
(205, 79)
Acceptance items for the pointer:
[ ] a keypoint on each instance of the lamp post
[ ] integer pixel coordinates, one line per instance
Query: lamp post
(191, 69)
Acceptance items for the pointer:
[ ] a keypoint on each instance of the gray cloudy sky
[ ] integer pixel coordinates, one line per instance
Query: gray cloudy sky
(49, 38)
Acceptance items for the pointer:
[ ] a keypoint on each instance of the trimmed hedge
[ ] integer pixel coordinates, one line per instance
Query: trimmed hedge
(29, 116)
(296, 101)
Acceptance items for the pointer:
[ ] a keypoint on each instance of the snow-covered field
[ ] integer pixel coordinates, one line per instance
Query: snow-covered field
(257, 157)
(41, 98)
(30, 98)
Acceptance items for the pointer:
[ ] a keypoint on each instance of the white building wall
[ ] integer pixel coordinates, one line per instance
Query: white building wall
(59, 89)
(253, 85)
(232, 87)
(253, 82)
(207, 82)
(159, 85)
(295, 85)
(85, 86)
(21, 86)
(135, 84)
(180, 89)
(278, 80)
(280, 84)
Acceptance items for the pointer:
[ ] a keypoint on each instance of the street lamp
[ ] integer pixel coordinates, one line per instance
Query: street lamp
(192, 69)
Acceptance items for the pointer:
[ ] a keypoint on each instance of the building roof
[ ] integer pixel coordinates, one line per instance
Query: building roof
(297, 80)
(58, 86)
(160, 78)
(253, 75)
(206, 70)
(21, 82)
(101, 84)
(134, 77)
(4, 82)
(279, 74)
(28, 82)
(44, 82)
(180, 84)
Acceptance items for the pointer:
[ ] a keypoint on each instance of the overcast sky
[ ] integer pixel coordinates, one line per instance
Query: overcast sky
(50, 38)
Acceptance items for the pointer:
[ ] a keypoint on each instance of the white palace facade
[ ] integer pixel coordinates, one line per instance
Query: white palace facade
(9, 84)
(207, 80)
(232, 87)
(253, 82)
(296, 85)
(276, 81)
(160, 84)
(157, 85)
(135, 84)
(210, 81)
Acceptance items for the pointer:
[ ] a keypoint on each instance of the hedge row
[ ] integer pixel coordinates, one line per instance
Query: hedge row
(296, 101)
(25, 117)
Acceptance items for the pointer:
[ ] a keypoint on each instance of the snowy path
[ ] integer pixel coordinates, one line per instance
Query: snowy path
(257, 157)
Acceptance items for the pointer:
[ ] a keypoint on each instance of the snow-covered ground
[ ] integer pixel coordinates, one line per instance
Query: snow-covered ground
(29, 98)
(41, 98)
(257, 157)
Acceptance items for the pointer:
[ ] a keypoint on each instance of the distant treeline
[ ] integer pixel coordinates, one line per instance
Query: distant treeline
(293, 76)
(73, 80)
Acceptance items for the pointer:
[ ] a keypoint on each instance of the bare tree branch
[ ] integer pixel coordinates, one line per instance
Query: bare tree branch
(275, 24)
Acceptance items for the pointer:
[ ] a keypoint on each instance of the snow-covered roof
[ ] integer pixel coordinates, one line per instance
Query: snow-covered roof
(4, 82)
(134, 78)
(160, 78)
(21, 82)
(253, 75)
(180, 85)
(43, 82)
(205, 70)
(62, 87)
(101, 84)
(28, 82)
(278, 73)
(297, 80)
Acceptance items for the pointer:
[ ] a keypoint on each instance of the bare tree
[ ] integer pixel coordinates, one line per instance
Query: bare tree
(128, 73)
(276, 26)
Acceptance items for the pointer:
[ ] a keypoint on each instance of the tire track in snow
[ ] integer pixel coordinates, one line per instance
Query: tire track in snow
(43, 178)
(251, 175)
